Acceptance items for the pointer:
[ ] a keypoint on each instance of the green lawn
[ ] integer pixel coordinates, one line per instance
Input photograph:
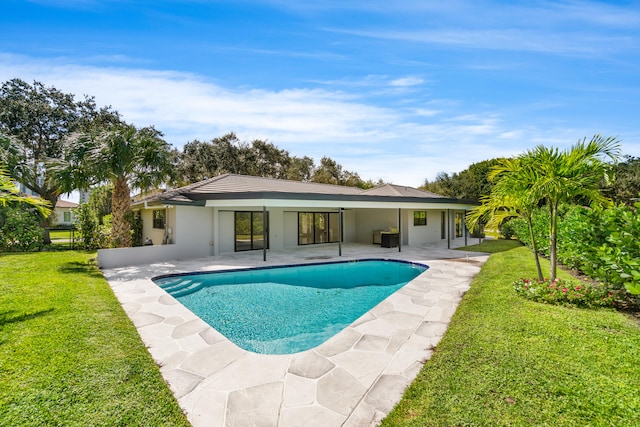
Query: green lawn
(492, 246)
(69, 355)
(506, 361)
(60, 234)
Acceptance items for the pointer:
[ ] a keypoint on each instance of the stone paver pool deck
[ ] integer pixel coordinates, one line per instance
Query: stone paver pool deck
(353, 379)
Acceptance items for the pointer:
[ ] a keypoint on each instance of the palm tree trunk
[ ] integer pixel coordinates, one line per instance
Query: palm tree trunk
(120, 204)
(535, 248)
(553, 229)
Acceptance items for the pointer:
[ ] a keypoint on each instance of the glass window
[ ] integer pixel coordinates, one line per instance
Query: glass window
(318, 227)
(249, 231)
(459, 224)
(419, 217)
(443, 225)
(305, 228)
(159, 218)
(67, 216)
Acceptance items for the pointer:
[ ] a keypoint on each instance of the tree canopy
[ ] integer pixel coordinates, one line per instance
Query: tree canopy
(39, 119)
(227, 154)
(625, 187)
(472, 183)
(126, 157)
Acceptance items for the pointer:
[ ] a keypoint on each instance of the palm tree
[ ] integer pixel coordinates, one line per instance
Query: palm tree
(510, 197)
(124, 156)
(569, 175)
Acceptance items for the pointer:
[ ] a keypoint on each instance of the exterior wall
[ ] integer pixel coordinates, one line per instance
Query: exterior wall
(290, 229)
(193, 233)
(350, 232)
(57, 216)
(421, 234)
(277, 226)
(370, 220)
(226, 237)
(148, 232)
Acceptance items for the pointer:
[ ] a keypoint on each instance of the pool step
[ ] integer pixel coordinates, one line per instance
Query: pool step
(192, 287)
(171, 287)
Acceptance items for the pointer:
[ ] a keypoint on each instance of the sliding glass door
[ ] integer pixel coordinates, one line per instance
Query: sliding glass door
(249, 231)
(318, 227)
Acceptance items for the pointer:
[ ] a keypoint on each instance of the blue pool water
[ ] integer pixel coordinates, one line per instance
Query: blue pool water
(284, 310)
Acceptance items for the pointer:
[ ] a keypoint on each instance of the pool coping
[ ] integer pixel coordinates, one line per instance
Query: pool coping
(353, 379)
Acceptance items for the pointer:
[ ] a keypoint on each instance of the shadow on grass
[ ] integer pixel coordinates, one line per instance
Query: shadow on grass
(14, 316)
(76, 267)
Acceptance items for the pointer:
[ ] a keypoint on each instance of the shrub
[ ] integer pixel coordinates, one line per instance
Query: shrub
(566, 292)
(20, 230)
(540, 222)
(507, 230)
(604, 244)
(92, 234)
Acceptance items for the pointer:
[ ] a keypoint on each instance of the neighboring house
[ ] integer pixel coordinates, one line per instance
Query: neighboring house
(233, 213)
(63, 214)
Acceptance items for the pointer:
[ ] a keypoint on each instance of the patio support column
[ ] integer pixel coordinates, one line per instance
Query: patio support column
(464, 227)
(448, 228)
(399, 230)
(265, 233)
(340, 225)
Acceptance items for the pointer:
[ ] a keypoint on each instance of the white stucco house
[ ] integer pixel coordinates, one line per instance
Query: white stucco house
(233, 213)
(63, 214)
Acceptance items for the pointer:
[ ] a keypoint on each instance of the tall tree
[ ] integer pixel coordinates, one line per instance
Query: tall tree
(569, 175)
(127, 158)
(300, 169)
(551, 176)
(472, 183)
(100, 201)
(267, 160)
(510, 197)
(330, 172)
(626, 184)
(39, 118)
(201, 160)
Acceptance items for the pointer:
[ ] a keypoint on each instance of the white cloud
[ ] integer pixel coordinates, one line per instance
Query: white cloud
(404, 146)
(407, 81)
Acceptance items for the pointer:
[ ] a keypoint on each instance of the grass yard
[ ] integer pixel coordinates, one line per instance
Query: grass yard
(507, 361)
(69, 354)
(60, 234)
(492, 246)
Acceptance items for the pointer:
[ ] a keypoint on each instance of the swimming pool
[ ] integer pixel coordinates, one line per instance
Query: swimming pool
(284, 310)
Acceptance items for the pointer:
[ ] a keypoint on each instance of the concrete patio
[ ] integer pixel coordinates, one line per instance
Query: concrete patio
(353, 379)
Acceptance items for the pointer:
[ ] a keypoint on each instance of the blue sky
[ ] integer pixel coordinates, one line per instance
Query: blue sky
(395, 90)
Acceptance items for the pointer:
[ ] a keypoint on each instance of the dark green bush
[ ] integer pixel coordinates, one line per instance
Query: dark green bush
(92, 234)
(20, 230)
(507, 230)
(604, 244)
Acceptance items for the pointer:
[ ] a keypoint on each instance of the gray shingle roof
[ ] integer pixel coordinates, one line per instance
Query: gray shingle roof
(400, 191)
(231, 186)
